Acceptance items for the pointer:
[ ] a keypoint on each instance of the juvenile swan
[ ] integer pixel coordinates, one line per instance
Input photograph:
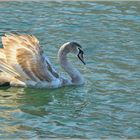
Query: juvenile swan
(24, 64)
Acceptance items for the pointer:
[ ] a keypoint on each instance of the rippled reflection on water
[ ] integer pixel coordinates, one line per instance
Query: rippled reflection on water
(108, 104)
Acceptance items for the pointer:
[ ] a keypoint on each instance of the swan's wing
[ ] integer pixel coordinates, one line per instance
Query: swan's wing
(2, 55)
(5, 68)
(24, 54)
(51, 68)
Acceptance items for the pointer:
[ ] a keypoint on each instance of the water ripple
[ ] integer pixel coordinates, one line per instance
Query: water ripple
(107, 106)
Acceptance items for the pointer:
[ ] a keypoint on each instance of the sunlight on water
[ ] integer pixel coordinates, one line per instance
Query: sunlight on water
(108, 105)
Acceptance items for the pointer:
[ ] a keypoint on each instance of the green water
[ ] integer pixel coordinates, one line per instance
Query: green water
(108, 105)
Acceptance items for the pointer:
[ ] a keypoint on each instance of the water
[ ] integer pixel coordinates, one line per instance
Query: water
(108, 105)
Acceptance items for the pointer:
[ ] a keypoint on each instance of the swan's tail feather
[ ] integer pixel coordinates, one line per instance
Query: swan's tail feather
(1, 53)
(9, 70)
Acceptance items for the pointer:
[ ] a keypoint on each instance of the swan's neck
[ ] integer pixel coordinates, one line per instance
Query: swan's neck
(76, 77)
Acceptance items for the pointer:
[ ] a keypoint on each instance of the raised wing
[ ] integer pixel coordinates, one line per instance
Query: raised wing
(24, 54)
(2, 55)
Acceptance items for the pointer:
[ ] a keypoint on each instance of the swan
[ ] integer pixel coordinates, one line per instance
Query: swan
(24, 64)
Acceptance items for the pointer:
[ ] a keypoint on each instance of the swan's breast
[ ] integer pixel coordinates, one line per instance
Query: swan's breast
(44, 84)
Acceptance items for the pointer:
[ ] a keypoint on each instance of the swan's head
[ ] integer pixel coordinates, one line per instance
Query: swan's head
(72, 47)
(77, 49)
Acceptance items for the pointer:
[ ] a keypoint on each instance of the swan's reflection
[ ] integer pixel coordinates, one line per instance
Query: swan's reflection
(38, 110)
(38, 101)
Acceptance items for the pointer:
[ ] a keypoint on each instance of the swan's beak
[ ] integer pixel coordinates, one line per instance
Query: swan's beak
(80, 56)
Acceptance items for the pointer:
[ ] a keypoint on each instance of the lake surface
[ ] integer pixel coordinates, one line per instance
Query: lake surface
(108, 105)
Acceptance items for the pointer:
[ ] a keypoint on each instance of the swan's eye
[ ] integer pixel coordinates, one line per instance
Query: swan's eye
(80, 55)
